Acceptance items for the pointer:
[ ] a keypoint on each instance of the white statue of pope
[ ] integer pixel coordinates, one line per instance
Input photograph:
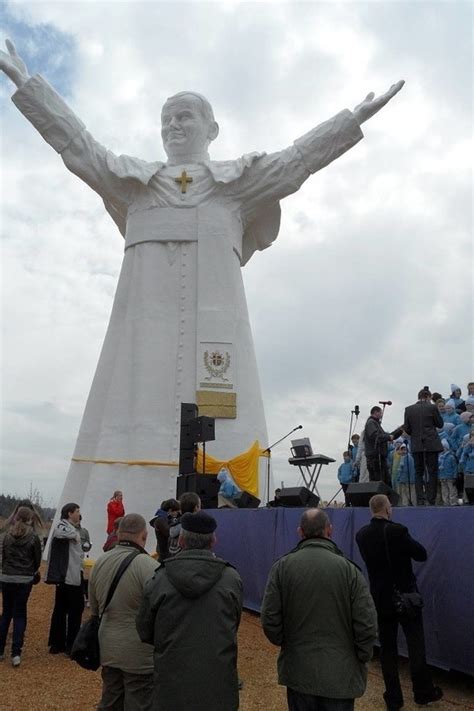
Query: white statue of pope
(179, 329)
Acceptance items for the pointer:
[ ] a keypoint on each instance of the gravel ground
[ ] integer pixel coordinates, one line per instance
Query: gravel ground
(51, 682)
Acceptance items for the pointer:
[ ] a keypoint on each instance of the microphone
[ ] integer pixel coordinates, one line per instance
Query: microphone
(300, 427)
(385, 402)
(356, 410)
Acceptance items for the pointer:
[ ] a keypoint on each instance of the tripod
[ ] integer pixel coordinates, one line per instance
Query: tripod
(269, 452)
(352, 426)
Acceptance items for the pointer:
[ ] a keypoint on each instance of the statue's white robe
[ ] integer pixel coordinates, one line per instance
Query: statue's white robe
(180, 293)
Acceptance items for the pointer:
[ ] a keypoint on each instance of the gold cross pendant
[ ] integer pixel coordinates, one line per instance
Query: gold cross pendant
(183, 180)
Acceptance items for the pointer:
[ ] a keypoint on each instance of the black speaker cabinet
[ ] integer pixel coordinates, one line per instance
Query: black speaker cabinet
(186, 436)
(189, 411)
(248, 501)
(203, 429)
(361, 493)
(469, 487)
(187, 461)
(205, 485)
(298, 496)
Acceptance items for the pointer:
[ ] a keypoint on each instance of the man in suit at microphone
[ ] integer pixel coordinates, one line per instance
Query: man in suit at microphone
(376, 446)
(421, 420)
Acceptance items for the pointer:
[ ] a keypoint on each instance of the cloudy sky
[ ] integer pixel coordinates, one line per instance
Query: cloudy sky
(367, 293)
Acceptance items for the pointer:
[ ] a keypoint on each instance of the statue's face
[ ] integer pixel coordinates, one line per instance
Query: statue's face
(184, 129)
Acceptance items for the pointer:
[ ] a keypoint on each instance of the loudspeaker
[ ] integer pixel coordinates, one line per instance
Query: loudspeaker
(469, 487)
(361, 493)
(189, 411)
(298, 496)
(248, 501)
(187, 461)
(203, 429)
(205, 485)
(186, 436)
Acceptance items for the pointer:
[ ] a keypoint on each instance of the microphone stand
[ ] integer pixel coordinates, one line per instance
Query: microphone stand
(356, 413)
(269, 451)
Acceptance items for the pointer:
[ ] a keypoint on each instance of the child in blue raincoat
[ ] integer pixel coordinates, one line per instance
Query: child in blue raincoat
(406, 477)
(447, 473)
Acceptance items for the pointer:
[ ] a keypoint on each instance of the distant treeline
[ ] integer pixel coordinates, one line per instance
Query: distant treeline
(8, 503)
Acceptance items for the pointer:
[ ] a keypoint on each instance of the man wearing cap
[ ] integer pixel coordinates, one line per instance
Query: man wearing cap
(190, 612)
(421, 421)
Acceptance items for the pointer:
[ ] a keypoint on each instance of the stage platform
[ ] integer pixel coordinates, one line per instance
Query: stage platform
(252, 539)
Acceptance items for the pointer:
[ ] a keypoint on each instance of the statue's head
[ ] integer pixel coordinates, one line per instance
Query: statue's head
(187, 125)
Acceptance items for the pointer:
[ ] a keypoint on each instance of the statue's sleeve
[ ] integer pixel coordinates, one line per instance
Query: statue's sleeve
(274, 176)
(65, 132)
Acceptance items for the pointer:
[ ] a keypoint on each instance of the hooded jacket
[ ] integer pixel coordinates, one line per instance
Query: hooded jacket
(447, 466)
(227, 487)
(190, 612)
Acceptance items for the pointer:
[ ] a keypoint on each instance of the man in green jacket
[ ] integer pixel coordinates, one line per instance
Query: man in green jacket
(318, 609)
(191, 612)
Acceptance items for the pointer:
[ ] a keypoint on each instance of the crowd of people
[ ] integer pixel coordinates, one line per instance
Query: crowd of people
(168, 633)
(426, 459)
(185, 603)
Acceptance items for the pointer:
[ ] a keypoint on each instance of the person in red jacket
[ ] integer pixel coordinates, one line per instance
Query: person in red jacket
(115, 509)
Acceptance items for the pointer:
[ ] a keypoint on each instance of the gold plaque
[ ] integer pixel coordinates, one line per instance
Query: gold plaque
(217, 404)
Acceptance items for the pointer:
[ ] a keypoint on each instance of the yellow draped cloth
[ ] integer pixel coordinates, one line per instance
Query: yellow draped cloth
(243, 468)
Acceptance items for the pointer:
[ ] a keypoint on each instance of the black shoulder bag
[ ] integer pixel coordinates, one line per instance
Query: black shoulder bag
(406, 604)
(85, 650)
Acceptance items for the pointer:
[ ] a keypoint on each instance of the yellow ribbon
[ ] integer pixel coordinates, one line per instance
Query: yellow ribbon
(243, 468)
(128, 463)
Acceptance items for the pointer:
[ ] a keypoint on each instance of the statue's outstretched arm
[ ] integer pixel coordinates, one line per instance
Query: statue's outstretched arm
(370, 105)
(13, 66)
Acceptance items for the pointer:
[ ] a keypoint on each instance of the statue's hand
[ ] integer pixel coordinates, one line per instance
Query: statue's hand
(13, 65)
(369, 106)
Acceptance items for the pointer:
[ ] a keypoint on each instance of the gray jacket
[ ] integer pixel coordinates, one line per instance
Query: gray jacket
(120, 645)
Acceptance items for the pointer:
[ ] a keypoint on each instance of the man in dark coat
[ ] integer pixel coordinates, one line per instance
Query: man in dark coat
(190, 612)
(318, 609)
(388, 549)
(376, 446)
(421, 421)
